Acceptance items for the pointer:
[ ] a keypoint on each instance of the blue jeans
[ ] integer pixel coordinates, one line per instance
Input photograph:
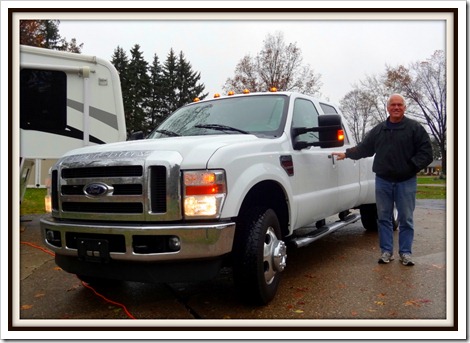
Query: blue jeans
(403, 195)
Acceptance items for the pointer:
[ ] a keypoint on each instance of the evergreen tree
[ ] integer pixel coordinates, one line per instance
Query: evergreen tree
(169, 84)
(187, 83)
(180, 83)
(50, 32)
(138, 86)
(120, 60)
(156, 96)
(152, 93)
(121, 63)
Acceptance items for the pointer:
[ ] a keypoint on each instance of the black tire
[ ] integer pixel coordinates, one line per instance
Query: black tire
(259, 255)
(369, 217)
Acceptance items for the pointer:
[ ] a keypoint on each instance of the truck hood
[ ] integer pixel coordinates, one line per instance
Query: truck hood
(193, 151)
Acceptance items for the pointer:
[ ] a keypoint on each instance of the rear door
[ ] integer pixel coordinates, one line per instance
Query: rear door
(347, 171)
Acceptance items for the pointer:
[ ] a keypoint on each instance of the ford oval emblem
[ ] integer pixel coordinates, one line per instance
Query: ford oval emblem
(96, 189)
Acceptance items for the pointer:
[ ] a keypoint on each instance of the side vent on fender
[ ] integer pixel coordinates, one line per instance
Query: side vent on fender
(287, 164)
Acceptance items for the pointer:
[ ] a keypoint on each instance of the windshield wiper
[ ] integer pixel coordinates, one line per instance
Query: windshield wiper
(168, 133)
(221, 128)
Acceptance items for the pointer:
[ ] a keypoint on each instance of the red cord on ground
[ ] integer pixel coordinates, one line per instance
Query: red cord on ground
(107, 300)
(84, 283)
(38, 247)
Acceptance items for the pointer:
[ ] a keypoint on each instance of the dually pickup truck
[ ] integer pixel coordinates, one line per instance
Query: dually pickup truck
(232, 181)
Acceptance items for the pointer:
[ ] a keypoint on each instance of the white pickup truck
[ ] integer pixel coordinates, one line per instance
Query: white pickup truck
(227, 181)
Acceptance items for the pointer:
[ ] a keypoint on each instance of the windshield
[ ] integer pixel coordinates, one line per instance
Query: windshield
(261, 115)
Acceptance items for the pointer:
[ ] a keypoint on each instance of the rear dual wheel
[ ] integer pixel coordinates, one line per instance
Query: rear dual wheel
(369, 217)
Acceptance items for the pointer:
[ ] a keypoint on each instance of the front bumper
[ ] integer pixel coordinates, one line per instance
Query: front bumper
(137, 242)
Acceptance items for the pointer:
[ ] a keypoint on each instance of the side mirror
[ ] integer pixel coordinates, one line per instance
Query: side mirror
(331, 134)
(135, 136)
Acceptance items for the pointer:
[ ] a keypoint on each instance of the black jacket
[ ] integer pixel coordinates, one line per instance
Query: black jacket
(400, 152)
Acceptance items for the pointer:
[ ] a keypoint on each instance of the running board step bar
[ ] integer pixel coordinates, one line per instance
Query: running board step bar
(303, 241)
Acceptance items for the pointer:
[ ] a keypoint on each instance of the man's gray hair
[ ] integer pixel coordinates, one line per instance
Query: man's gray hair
(398, 95)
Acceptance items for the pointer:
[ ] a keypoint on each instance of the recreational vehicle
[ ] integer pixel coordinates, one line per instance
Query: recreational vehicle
(67, 101)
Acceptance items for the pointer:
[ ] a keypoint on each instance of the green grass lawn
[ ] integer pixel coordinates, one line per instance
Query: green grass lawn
(33, 201)
(431, 192)
(430, 180)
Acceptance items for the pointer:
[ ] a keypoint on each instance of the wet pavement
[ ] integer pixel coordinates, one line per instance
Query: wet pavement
(336, 278)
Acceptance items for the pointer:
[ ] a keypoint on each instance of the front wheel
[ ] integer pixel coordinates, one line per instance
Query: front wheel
(259, 255)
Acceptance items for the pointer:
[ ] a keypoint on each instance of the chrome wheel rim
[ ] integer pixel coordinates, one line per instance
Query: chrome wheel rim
(274, 255)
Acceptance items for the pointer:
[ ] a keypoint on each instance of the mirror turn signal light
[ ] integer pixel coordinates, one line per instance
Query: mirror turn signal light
(340, 135)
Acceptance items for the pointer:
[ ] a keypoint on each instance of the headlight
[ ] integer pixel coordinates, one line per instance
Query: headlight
(204, 193)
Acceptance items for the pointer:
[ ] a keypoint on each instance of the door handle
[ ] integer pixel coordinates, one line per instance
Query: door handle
(332, 158)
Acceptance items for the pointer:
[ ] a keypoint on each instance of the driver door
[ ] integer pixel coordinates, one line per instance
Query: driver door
(315, 180)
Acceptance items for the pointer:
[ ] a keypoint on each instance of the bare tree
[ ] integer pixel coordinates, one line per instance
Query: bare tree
(425, 84)
(366, 105)
(379, 88)
(375, 87)
(358, 107)
(277, 65)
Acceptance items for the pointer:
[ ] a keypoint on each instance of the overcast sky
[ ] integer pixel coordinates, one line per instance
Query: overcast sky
(343, 52)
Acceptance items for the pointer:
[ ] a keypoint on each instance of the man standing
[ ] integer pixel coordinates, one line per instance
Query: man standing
(402, 148)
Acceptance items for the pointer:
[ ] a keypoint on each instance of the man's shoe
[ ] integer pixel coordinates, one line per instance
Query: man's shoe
(406, 260)
(385, 258)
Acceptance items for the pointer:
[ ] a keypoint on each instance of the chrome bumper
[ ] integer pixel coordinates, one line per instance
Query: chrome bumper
(197, 241)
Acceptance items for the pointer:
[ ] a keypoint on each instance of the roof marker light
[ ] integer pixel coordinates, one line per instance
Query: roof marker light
(246, 91)
(230, 93)
(216, 95)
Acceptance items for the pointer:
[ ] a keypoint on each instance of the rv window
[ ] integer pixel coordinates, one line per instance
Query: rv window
(43, 100)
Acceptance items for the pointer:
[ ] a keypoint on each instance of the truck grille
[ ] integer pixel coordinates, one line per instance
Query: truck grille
(132, 189)
(112, 207)
(117, 190)
(158, 187)
(114, 171)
